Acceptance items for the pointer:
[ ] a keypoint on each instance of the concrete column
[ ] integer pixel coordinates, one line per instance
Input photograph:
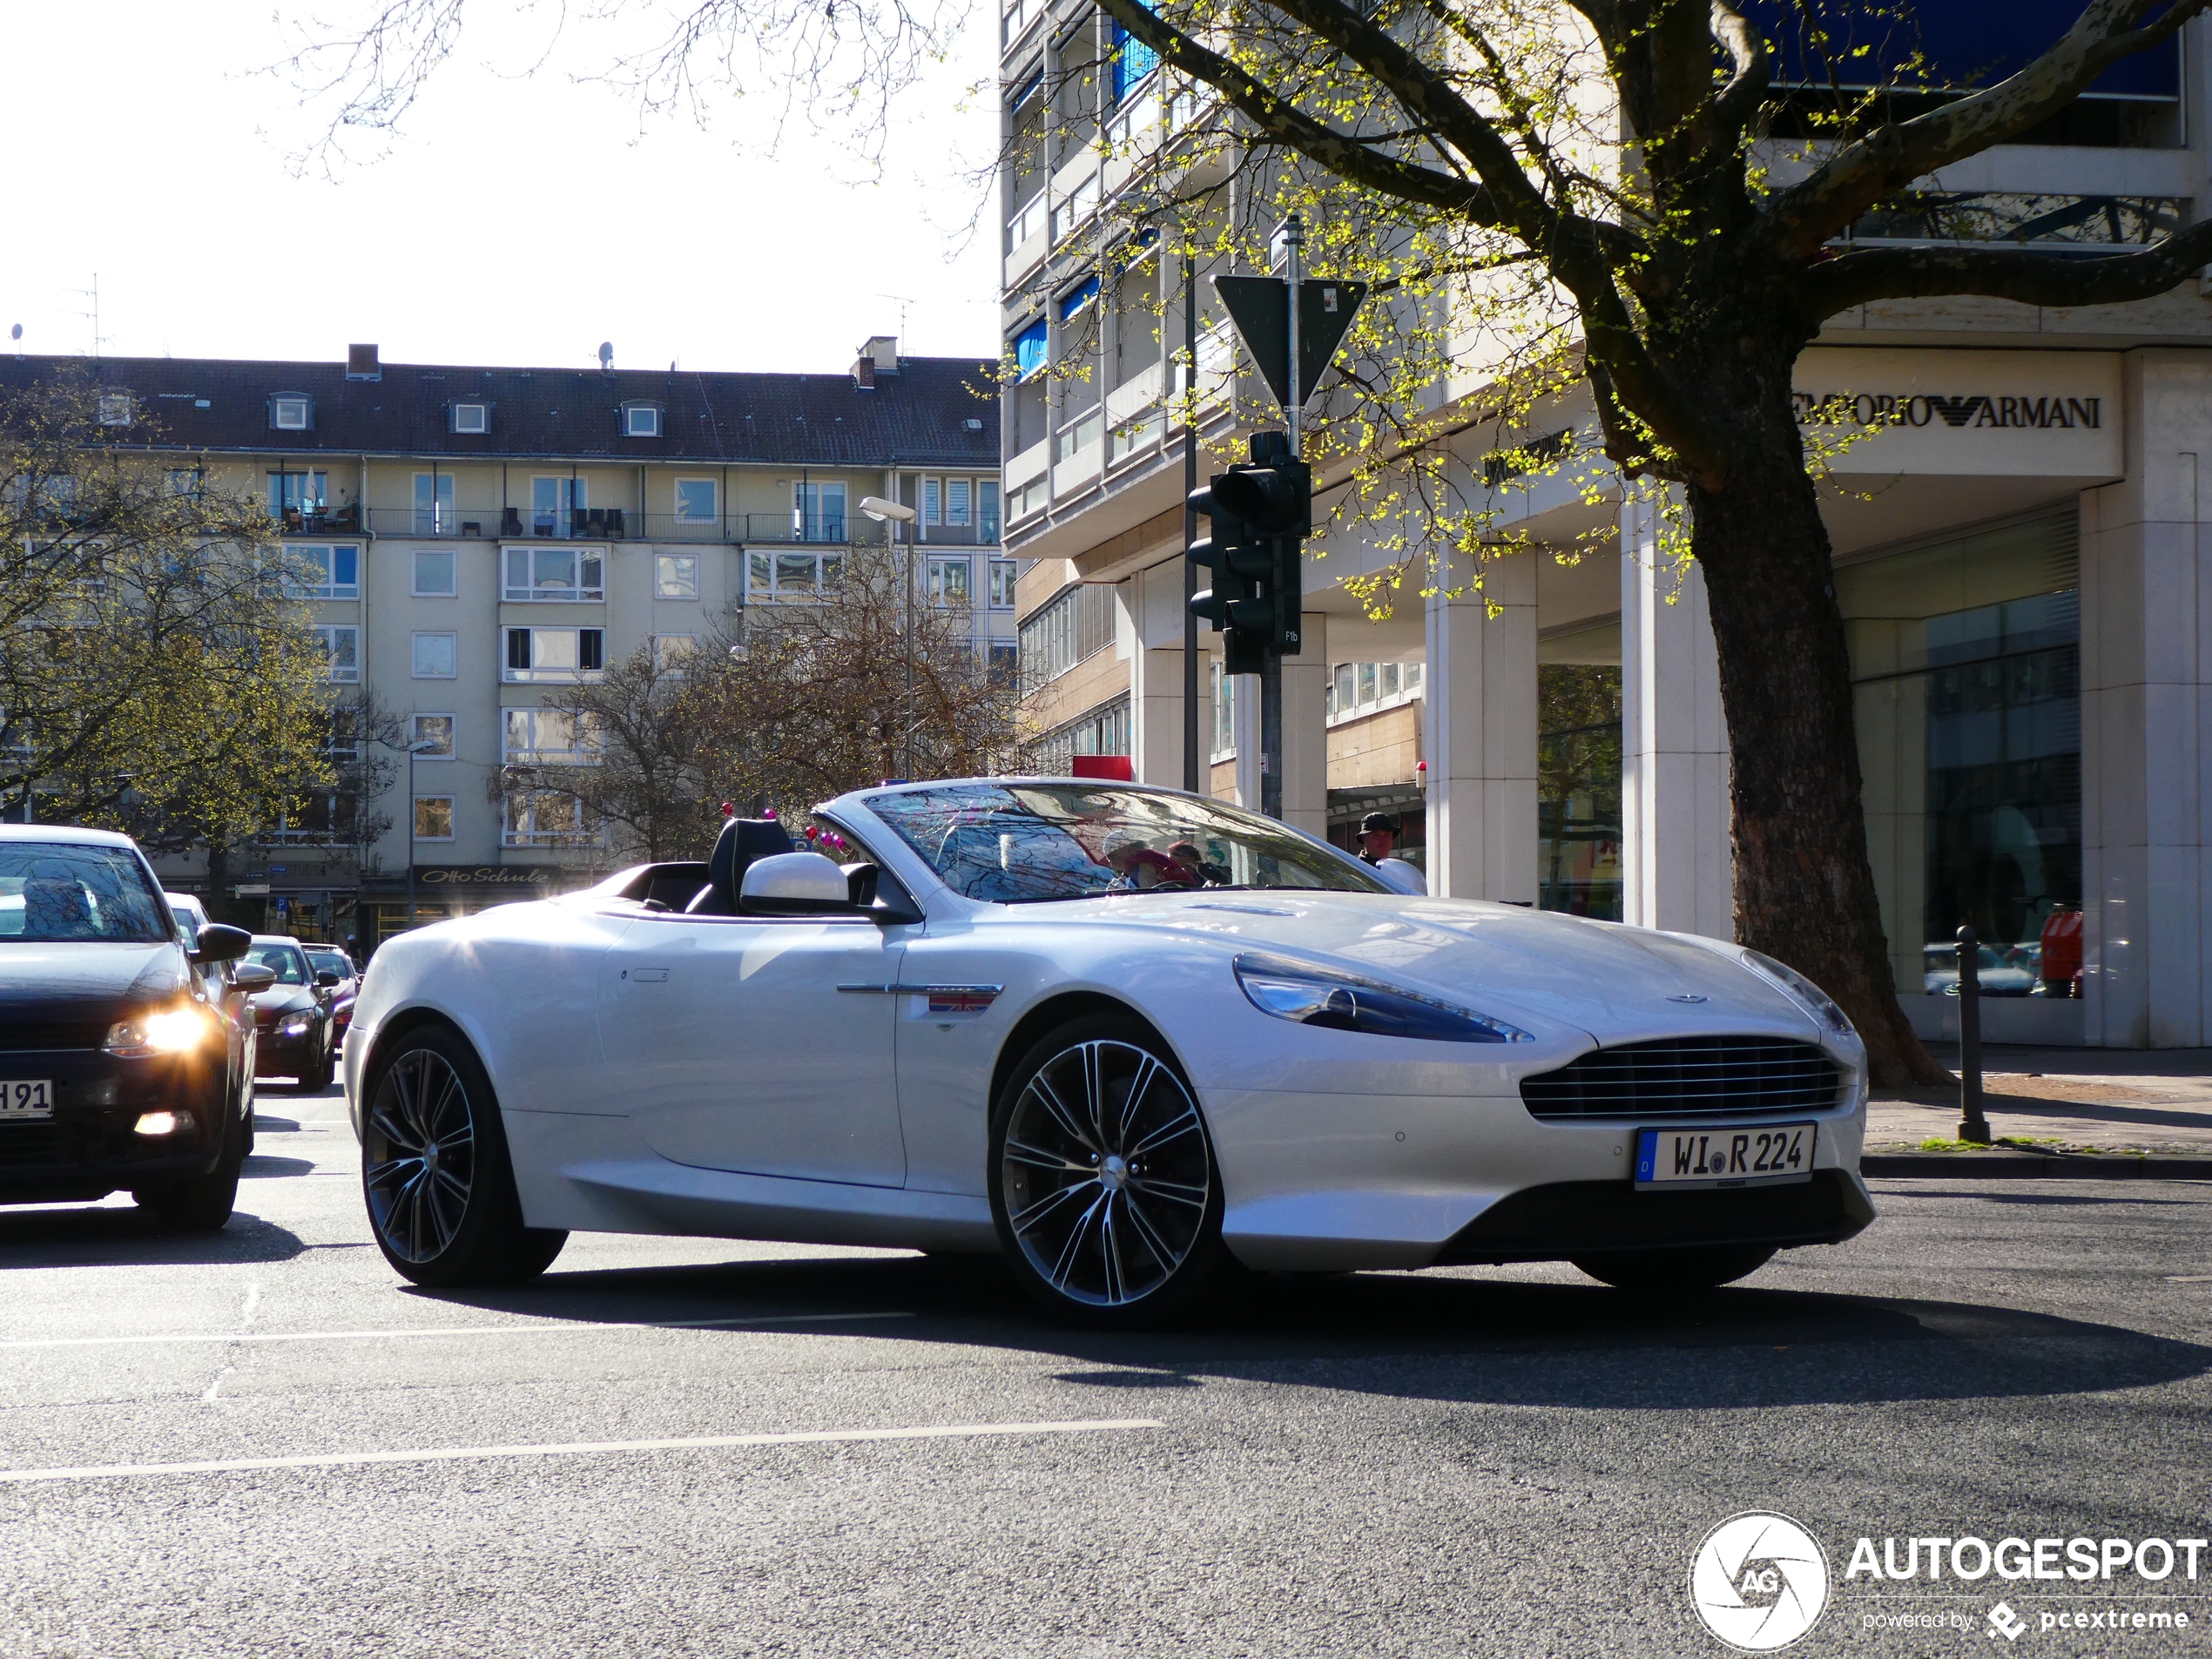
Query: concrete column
(1150, 631)
(1480, 695)
(1305, 729)
(1244, 727)
(1673, 744)
(2146, 717)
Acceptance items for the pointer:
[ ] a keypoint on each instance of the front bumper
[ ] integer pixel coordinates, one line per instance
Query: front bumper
(90, 1147)
(1566, 1219)
(282, 1056)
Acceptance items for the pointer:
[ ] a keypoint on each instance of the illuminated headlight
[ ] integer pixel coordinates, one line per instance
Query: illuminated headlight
(1801, 990)
(294, 1025)
(177, 1030)
(1340, 1001)
(159, 1122)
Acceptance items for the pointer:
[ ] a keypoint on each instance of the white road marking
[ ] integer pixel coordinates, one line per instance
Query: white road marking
(213, 1387)
(577, 1448)
(579, 1329)
(2189, 1279)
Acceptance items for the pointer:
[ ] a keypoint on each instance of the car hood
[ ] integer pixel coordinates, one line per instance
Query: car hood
(1618, 984)
(282, 999)
(72, 981)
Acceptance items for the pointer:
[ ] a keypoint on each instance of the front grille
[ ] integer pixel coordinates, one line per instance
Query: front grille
(1683, 1078)
(52, 1033)
(24, 1146)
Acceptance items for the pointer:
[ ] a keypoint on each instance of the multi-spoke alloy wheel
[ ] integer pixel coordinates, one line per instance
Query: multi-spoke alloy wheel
(1106, 1190)
(435, 1170)
(420, 1153)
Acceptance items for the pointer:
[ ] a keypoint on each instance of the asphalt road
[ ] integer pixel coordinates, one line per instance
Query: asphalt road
(1493, 1461)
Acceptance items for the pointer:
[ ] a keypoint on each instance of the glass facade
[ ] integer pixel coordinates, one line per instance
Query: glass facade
(1578, 770)
(1966, 659)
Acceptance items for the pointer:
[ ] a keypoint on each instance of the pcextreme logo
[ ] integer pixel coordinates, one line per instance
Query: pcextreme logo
(1759, 1581)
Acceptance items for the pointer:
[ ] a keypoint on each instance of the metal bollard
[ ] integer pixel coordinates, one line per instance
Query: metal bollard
(1973, 1125)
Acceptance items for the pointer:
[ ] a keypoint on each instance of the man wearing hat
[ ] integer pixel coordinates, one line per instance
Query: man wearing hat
(1377, 840)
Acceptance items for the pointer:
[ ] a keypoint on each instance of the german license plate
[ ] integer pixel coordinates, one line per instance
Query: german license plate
(21, 1099)
(1734, 1156)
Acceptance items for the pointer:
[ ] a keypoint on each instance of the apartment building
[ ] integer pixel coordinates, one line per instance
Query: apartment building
(480, 537)
(2019, 558)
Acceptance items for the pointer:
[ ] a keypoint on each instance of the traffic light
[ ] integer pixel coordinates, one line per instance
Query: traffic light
(1260, 513)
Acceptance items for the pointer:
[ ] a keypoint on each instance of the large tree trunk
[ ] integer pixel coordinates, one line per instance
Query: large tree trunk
(1804, 887)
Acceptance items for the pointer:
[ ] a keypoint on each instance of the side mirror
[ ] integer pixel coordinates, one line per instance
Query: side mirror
(794, 884)
(325, 978)
(221, 943)
(879, 895)
(254, 978)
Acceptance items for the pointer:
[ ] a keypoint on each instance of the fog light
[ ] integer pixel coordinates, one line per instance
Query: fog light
(160, 1123)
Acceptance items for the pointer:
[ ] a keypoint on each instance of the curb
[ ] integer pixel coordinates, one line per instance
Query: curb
(2003, 1166)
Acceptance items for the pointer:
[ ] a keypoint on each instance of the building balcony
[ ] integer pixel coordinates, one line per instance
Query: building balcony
(620, 525)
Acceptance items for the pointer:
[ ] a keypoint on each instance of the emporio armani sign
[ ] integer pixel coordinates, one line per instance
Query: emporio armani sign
(1973, 409)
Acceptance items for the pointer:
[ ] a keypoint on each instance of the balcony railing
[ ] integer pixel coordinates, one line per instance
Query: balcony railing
(619, 524)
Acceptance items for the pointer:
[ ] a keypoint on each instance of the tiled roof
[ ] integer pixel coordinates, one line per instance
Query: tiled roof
(916, 417)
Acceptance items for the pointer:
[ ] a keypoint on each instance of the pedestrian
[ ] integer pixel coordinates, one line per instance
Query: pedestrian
(1378, 850)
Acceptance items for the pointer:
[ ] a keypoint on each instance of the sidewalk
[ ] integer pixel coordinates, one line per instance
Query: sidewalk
(2103, 1100)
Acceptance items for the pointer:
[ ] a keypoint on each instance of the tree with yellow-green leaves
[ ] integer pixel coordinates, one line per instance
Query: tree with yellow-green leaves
(157, 675)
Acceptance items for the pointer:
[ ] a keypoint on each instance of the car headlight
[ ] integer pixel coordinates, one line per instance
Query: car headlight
(1801, 990)
(172, 1030)
(1341, 1002)
(294, 1025)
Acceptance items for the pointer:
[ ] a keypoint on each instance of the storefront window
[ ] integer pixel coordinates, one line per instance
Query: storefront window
(1965, 657)
(1578, 788)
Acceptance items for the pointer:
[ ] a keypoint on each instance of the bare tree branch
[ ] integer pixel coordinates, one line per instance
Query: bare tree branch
(2028, 275)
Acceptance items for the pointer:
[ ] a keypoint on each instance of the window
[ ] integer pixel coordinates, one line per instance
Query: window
(116, 408)
(549, 737)
(1029, 350)
(556, 504)
(294, 494)
(697, 501)
(471, 417)
(546, 818)
(291, 412)
(554, 653)
(1004, 574)
(1005, 659)
(791, 576)
(932, 500)
(676, 576)
(948, 583)
(188, 482)
(1079, 622)
(670, 650)
(957, 492)
(436, 731)
(1132, 61)
(1077, 299)
(433, 503)
(818, 512)
(323, 572)
(986, 510)
(1103, 730)
(433, 573)
(641, 420)
(434, 818)
(554, 573)
(435, 657)
(341, 648)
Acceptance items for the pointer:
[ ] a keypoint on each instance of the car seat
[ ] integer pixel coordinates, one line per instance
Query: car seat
(742, 840)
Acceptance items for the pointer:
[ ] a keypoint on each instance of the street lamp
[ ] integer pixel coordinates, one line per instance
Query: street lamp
(880, 510)
(410, 749)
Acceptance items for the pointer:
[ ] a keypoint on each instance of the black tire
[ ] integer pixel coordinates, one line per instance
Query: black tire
(434, 1170)
(317, 1075)
(1102, 1178)
(1677, 1270)
(202, 1205)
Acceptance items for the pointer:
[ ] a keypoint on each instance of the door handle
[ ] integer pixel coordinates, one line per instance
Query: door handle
(646, 975)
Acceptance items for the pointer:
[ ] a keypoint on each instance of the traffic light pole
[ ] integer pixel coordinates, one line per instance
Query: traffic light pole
(1190, 525)
(1270, 674)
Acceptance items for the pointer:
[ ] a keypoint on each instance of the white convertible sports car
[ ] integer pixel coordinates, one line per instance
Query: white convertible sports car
(1127, 1036)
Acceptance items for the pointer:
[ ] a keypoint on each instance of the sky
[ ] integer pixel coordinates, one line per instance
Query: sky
(521, 218)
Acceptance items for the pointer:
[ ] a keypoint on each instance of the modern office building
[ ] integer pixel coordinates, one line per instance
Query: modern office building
(484, 536)
(2021, 560)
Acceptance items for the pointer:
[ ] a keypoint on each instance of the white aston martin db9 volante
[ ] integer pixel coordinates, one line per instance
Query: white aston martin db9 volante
(1126, 1036)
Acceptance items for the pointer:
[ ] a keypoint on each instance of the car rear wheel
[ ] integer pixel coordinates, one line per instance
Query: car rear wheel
(436, 1173)
(202, 1205)
(1677, 1270)
(1103, 1183)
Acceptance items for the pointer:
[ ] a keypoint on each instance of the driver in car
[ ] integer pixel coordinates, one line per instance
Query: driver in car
(1136, 867)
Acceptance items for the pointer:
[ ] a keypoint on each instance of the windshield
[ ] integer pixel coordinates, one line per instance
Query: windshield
(284, 961)
(1021, 843)
(52, 893)
(331, 961)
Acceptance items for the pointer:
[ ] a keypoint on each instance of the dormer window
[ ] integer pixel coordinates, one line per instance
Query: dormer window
(641, 420)
(115, 409)
(289, 412)
(470, 417)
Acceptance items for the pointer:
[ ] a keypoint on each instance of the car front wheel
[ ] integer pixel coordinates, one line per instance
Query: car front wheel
(436, 1173)
(316, 1075)
(202, 1205)
(1677, 1270)
(1103, 1183)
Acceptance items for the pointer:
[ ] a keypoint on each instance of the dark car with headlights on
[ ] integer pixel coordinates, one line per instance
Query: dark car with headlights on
(328, 959)
(292, 1017)
(120, 1069)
